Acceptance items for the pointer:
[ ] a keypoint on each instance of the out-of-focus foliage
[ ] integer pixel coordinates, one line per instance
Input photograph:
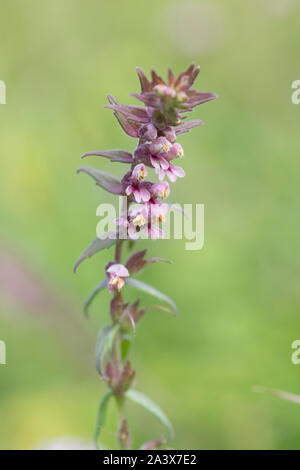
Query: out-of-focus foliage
(238, 298)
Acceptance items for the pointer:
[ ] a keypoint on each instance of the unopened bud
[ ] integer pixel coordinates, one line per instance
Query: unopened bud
(127, 376)
(164, 90)
(170, 134)
(148, 132)
(124, 435)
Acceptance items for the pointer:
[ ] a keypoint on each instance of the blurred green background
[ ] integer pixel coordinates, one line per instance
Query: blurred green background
(238, 297)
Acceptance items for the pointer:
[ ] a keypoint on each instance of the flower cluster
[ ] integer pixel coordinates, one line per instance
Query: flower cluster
(156, 125)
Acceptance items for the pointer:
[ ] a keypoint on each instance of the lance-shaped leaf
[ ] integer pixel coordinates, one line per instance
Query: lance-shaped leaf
(152, 407)
(156, 79)
(187, 126)
(145, 83)
(171, 78)
(160, 307)
(132, 314)
(136, 113)
(152, 291)
(189, 74)
(105, 180)
(92, 295)
(198, 97)
(149, 98)
(104, 344)
(101, 417)
(115, 155)
(129, 126)
(136, 262)
(97, 245)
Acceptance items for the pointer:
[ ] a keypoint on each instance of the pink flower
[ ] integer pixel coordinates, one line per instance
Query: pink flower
(140, 193)
(154, 154)
(159, 162)
(138, 218)
(173, 172)
(161, 189)
(159, 145)
(116, 273)
(157, 211)
(176, 151)
(139, 172)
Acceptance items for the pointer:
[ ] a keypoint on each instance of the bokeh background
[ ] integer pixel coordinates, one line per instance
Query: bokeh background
(238, 297)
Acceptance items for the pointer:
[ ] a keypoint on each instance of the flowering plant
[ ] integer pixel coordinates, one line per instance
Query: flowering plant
(156, 125)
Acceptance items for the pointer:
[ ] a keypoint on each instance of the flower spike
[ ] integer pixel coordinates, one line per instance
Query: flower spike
(156, 124)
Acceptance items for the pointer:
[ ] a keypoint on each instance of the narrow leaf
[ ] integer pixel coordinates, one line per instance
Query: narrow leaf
(96, 245)
(104, 343)
(105, 180)
(145, 83)
(160, 307)
(136, 113)
(101, 416)
(152, 291)
(136, 262)
(92, 296)
(187, 126)
(148, 98)
(279, 393)
(152, 407)
(156, 259)
(114, 155)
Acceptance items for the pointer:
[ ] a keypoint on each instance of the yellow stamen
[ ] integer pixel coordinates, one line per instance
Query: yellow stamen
(142, 173)
(118, 281)
(113, 281)
(164, 193)
(139, 220)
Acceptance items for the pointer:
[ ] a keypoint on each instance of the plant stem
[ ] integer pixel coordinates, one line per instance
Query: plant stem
(118, 252)
(116, 353)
